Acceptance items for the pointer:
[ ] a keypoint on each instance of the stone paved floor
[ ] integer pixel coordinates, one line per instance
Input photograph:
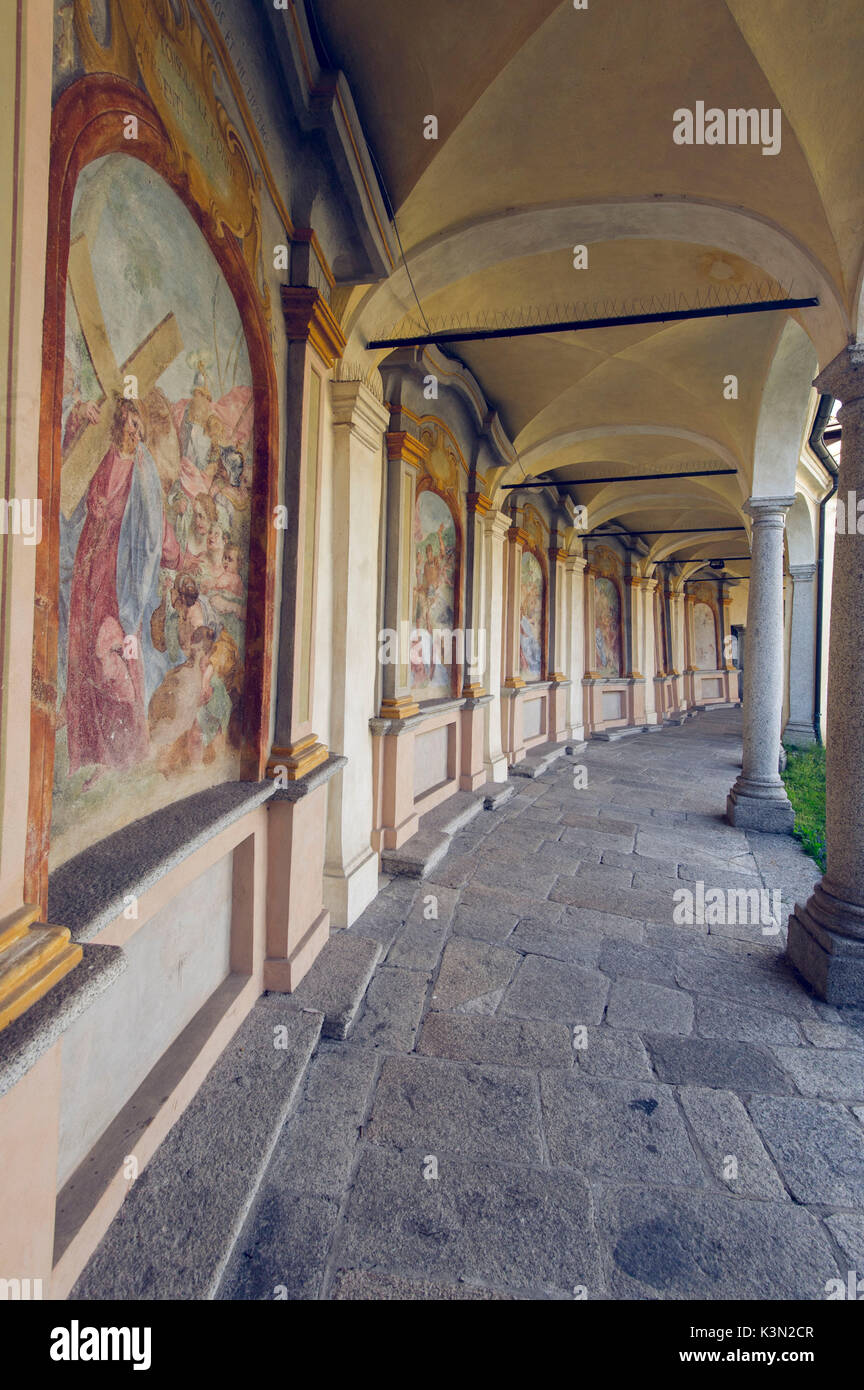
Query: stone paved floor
(706, 1142)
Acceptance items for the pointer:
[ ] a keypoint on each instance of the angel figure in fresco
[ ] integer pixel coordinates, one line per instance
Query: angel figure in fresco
(123, 538)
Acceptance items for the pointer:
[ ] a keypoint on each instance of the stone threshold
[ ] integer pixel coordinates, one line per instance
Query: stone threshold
(541, 758)
(431, 841)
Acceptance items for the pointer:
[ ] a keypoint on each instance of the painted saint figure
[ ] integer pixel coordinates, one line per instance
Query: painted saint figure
(124, 539)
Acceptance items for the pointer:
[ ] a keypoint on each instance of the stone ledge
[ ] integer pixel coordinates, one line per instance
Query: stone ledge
(89, 891)
(28, 1037)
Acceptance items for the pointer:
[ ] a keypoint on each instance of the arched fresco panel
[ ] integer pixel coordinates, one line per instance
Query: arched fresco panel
(156, 428)
(704, 638)
(531, 618)
(607, 626)
(436, 562)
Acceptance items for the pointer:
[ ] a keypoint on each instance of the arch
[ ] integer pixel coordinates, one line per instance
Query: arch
(88, 123)
(487, 241)
(783, 414)
(800, 533)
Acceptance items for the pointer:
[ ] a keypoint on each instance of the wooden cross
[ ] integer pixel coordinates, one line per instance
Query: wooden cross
(147, 362)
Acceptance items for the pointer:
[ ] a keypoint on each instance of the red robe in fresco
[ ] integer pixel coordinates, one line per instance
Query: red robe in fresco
(106, 697)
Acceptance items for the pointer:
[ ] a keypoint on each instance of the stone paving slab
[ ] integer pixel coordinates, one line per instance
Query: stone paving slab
(682, 1245)
(645, 1006)
(552, 989)
(817, 1147)
(520, 1228)
(736, 1155)
(425, 1105)
(514, 1042)
(473, 975)
(393, 1009)
(618, 1128)
(717, 1062)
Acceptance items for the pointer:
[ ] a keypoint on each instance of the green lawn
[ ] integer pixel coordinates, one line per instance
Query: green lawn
(805, 786)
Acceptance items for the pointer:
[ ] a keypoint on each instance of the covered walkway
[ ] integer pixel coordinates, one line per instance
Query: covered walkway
(550, 1089)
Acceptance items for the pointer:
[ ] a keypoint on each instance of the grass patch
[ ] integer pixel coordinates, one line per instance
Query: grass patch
(805, 786)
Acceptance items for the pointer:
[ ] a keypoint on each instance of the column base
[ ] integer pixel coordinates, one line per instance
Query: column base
(830, 961)
(772, 814)
(348, 892)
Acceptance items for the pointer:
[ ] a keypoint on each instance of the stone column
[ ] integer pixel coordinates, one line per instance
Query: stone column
(802, 653)
(351, 864)
(826, 938)
(758, 800)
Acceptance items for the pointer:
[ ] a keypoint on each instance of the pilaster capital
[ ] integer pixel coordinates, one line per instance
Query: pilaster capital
(354, 405)
(575, 564)
(496, 525)
(802, 574)
(406, 448)
(479, 503)
(309, 318)
(843, 378)
(518, 536)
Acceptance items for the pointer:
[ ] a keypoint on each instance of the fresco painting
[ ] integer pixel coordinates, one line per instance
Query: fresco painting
(436, 559)
(530, 618)
(607, 627)
(155, 511)
(704, 638)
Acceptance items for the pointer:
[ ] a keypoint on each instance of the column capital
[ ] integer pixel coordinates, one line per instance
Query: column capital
(356, 406)
(843, 378)
(309, 318)
(769, 510)
(802, 574)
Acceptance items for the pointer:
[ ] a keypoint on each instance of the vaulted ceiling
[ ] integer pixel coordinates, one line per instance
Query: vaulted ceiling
(555, 129)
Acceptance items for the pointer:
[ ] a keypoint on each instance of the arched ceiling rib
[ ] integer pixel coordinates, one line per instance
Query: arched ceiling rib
(555, 130)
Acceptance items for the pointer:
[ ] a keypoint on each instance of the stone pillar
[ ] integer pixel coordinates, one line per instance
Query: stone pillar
(648, 660)
(689, 648)
(802, 653)
(495, 527)
(513, 682)
(758, 800)
(826, 938)
(575, 668)
(298, 923)
(351, 864)
(675, 601)
(557, 719)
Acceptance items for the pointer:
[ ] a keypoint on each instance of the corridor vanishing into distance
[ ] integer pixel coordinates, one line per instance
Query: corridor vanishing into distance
(550, 1089)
